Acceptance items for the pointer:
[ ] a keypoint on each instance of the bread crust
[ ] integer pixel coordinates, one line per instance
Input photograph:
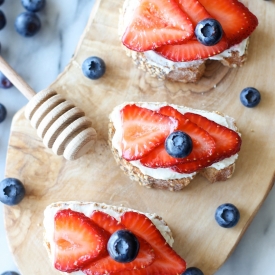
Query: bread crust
(210, 173)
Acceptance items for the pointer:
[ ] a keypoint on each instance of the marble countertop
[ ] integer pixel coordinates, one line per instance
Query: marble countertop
(39, 60)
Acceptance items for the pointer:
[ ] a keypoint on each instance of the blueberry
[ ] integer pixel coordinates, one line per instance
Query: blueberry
(192, 271)
(93, 67)
(12, 191)
(27, 24)
(209, 32)
(123, 246)
(227, 215)
(3, 20)
(178, 144)
(3, 112)
(250, 97)
(2, 2)
(4, 82)
(33, 5)
(10, 273)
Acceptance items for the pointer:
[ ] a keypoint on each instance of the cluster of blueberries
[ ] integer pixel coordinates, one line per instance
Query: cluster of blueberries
(26, 23)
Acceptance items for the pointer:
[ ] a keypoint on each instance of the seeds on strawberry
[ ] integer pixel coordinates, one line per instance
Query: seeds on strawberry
(106, 264)
(167, 261)
(156, 23)
(78, 240)
(227, 141)
(143, 130)
(192, 50)
(236, 19)
(195, 10)
(203, 143)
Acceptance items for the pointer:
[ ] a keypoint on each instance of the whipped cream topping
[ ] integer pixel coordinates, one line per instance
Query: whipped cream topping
(167, 173)
(87, 208)
(156, 59)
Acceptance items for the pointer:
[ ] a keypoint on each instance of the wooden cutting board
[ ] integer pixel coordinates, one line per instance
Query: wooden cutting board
(96, 177)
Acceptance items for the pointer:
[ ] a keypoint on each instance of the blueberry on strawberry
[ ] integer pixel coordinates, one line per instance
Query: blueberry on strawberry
(209, 32)
(250, 97)
(123, 246)
(178, 144)
(33, 5)
(192, 271)
(109, 224)
(227, 215)
(3, 20)
(12, 191)
(3, 112)
(4, 82)
(27, 24)
(93, 67)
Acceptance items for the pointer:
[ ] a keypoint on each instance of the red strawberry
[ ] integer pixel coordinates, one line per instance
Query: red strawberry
(236, 19)
(143, 130)
(194, 9)
(167, 260)
(191, 50)
(78, 240)
(156, 23)
(203, 143)
(228, 143)
(105, 265)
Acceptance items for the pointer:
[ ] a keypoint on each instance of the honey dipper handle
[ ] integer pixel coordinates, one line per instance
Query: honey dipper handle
(16, 80)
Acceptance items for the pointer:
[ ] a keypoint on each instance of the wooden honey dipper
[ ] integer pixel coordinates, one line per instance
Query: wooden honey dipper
(60, 124)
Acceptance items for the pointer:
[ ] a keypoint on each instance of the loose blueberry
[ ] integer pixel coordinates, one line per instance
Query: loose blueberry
(10, 273)
(93, 67)
(3, 20)
(178, 144)
(250, 97)
(227, 215)
(209, 32)
(3, 112)
(27, 24)
(33, 5)
(123, 246)
(12, 191)
(2, 2)
(4, 82)
(192, 271)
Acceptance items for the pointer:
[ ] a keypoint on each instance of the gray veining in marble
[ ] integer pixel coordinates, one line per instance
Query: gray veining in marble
(40, 59)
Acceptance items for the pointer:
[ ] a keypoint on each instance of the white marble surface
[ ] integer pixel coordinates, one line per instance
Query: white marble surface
(39, 60)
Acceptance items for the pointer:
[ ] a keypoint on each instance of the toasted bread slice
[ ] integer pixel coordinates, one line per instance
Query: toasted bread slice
(220, 171)
(186, 72)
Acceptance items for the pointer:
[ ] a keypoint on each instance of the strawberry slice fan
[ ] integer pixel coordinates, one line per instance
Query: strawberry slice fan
(176, 29)
(145, 134)
(83, 243)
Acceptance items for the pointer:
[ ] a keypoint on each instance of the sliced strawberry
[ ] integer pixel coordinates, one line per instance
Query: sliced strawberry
(191, 50)
(167, 261)
(156, 23)
(106, 265)
(194, 9)
(78, 240)
(203, 143)
(143, 130)
(236, 19)
(228, 143)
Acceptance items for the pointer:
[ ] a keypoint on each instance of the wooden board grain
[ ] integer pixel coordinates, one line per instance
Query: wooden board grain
(96, 177)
